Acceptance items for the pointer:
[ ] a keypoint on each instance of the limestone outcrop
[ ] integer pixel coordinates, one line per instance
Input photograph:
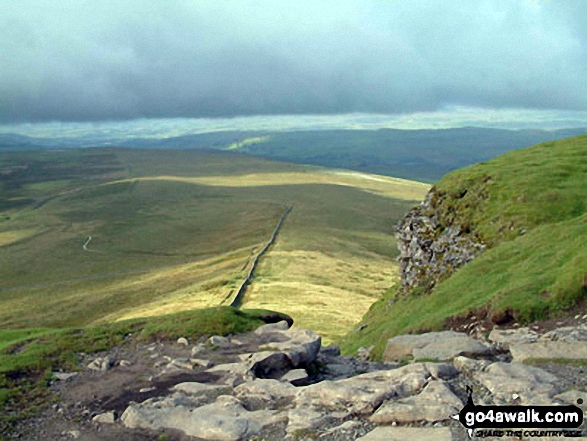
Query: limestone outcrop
(433, 243)
(280, 383)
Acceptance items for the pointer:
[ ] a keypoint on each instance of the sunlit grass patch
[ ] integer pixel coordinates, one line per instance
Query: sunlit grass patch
(9, 237)
(382, 185)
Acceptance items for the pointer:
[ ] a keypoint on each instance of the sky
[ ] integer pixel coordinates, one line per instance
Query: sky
(102, 60)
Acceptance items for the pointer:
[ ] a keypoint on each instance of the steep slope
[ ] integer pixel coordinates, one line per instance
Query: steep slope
(521, 222)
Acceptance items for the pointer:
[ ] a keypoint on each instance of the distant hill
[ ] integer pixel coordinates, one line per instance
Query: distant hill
(527, 209)
(423, 155)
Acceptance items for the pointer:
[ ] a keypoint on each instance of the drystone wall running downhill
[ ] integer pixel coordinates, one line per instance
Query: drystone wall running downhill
(433, 244)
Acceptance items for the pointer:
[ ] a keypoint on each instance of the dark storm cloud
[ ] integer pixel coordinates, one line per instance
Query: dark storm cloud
(78, 60)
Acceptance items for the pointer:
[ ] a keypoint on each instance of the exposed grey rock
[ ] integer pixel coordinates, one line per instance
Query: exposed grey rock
(510, 382)
(233, 374)
(568, 350)
(347, 426)
(432, 245)
(301, 346)
(144, 390)
(169, 369)
(75, 434)
(308, 417)
(63, 376)
(196, 389)
(267, 364)
(338, 370)
(433, 345)
(217, 340)
(401, 346)
(330, 350)
(451, 347)
(266, 390)
(182, 341)
(408, 433)
(435, 403)
(469, 365)
(506, 337)
(199, 348)
(567, 333)
(124, 363)
(297, 377)
(105, 418)
(364, 393)
(201, 362)
(443, 371)
(272, 328)
(102, 363)
(225, 419)
(572, 397)
(363, 354)
(183, 363)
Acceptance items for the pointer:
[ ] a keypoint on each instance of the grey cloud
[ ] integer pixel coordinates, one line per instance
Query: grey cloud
(91, 60)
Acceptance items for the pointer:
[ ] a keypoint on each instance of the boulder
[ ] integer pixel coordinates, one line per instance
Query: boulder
(197, 349)
(308, 417)
(572, 397)
(505, 337)
(449, 348)
(435, 403)
(567, 333)
(102, 363)
(510, 382)
(225, 419)
(442, 371)
(364, 393)
(271, 328)
(267, 364)
(469, 365)
(408, 433)
(105, 418)
(218, 340)
(182, 341)
(63, 376)
(301, 346)
(232, 374)
(266, 390)
(442, 345)
(567, 350)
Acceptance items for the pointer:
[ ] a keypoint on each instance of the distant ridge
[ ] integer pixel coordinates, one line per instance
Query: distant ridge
(422, 155)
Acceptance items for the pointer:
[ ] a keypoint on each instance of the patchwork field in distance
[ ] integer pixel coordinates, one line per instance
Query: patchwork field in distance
(176, 230)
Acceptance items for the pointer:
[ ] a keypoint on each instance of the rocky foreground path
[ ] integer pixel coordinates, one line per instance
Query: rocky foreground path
(280, 383)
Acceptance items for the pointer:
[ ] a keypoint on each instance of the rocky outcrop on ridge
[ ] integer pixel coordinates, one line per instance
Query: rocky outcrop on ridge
(433, 243)
(280, 383)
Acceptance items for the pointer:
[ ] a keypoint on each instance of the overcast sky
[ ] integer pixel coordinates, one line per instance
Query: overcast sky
(74, 60)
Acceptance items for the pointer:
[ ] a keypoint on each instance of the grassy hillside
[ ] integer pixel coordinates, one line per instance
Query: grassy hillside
(528, 207)
(176, 230)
